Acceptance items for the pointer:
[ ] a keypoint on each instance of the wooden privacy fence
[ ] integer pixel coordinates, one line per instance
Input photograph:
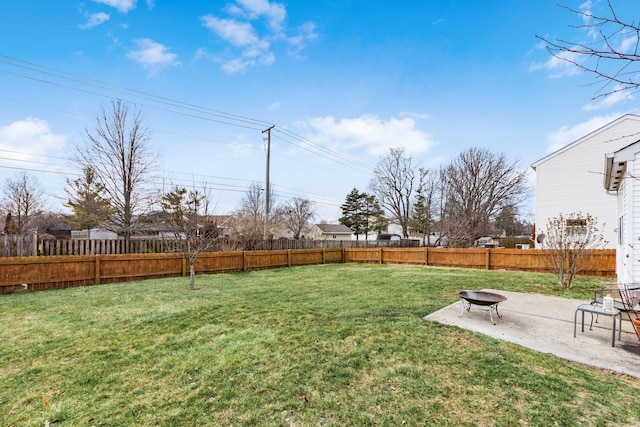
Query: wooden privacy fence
(36, 273)
(53, 247)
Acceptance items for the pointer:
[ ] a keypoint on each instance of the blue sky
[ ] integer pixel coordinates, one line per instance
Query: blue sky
(343, 81)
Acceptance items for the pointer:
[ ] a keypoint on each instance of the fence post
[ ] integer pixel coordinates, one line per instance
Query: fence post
(97, 268)
(184, 267)
(244, 260)
(381, 249)
(426, 255)
(288, 257)
(487, 258)
(324, 256)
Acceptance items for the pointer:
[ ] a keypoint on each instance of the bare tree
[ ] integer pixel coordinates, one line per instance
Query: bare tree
(392, 183)
(185, 214)
(296, 215)
(612, 55)
(24, 200)
(475, 186)
(117, 151)
(248, 223)
(567, 240)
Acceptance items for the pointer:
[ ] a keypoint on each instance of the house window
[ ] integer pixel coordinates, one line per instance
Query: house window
(576, 226)
(621, 230)
(335, 237)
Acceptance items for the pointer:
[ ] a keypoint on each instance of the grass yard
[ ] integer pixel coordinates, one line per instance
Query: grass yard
(341, 345)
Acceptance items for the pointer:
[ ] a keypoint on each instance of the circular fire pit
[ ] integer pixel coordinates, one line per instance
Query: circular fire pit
(482, 298)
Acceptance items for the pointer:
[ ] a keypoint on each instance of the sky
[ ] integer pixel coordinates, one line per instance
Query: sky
(341, 81)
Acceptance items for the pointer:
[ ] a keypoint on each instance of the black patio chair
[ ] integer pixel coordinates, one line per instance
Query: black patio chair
(626, 298)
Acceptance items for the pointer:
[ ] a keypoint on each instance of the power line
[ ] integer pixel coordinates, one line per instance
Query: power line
(236, 120)
(53, 72)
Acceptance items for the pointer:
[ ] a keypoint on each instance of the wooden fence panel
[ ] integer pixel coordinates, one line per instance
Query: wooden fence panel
(258, 260)
(533, 260)
(120, 268)
(66, 271)
(333, 255)
(306, 256)
(45, 273)
(365, 255)
(463, 258)
(220, 262)
(403, 255)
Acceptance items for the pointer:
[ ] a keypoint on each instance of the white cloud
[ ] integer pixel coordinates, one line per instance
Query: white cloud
(568, 134)
(236, 66)
(306, 33)
(275, 13)
(94, 19)
(617, 95)
(152, 55)
(414, 115)
(628, 44)
(254, 47)
(235, 32)
(561, 65)
(376, 136)
(30, 135)
(276, 105)
(122, 6)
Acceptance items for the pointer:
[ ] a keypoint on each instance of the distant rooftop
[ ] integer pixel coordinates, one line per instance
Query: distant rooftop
(334, 228)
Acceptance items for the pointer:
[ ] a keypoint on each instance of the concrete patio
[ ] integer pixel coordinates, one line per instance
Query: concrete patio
(545, 324)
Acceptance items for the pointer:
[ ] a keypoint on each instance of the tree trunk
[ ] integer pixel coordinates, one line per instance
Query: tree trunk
(192, 274)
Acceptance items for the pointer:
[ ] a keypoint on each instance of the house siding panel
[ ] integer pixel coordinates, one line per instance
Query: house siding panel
(632, 244)
(571, 179)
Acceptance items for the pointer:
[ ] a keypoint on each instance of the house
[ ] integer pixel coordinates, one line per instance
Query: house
(569, 180)
(330, 232)
(622, 179)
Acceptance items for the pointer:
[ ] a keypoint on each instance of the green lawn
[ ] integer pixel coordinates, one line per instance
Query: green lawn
(341, 345)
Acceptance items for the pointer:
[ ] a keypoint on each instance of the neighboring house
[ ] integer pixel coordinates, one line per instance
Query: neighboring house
(94, 234)
(570, 179)
(622, 179)
(222, 222)
(330, 232)
(59, 231)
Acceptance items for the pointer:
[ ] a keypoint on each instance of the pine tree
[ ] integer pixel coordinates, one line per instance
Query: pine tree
(373, 215)
(421, 219)
(352, 212)
(362, 213)
(10, 226)
(86, 200)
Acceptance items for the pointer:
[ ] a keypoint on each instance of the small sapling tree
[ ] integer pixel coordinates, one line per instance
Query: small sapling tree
(568, 238)
(185, 214)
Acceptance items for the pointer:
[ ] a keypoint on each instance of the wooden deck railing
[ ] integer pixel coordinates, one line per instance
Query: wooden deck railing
(36, 273)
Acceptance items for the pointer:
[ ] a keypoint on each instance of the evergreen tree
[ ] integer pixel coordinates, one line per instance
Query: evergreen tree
(373, 215)
(352, 212)
(421, 219)
(86, 200)
(10, 226)
(362, 213)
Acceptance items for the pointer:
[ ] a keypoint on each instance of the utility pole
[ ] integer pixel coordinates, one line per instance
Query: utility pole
(267, 189)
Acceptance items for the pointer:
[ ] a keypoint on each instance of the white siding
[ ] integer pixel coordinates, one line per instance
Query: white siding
(633, 213)
(623, 250)
(571, 179)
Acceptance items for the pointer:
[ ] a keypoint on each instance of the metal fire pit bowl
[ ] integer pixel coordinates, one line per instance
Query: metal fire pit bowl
(487, 299)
